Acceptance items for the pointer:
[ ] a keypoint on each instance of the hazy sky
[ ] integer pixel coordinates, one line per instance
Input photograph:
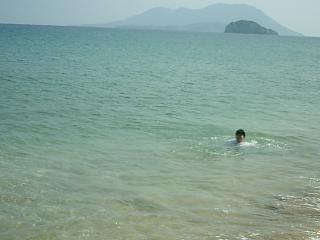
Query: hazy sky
(299, 15)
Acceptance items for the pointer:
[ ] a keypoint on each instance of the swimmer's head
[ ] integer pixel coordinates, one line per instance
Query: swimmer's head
(240, 135)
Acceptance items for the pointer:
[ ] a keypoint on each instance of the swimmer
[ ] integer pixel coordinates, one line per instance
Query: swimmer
(240, 136)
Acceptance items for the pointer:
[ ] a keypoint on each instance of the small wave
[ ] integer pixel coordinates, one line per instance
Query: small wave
(217, 147)
(269, 143)
(305, 205)
(257, 143)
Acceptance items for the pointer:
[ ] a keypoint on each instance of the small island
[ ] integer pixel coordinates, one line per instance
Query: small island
(248, 27)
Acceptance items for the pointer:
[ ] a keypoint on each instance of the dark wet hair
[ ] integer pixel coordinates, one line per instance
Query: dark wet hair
(241, 132)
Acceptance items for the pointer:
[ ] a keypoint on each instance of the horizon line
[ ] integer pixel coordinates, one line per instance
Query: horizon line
(134, 29)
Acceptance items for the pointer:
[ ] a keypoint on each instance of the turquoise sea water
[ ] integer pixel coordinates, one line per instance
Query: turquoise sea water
(119, 134)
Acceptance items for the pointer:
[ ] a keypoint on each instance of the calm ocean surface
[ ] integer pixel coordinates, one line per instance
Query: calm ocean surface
(119, 134)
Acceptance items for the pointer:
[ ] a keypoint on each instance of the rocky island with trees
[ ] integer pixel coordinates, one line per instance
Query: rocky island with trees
(248, 27)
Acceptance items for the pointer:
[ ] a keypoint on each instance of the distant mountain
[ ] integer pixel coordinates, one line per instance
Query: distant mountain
(212, 18)
(248, 27)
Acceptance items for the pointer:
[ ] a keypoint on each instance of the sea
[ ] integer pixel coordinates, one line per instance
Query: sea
(121, 134)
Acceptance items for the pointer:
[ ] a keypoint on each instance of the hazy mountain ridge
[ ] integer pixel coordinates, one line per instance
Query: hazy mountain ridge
(219, 15)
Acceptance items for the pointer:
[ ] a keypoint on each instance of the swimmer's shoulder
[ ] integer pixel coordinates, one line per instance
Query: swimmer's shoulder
(248, 144)
(232, 142)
